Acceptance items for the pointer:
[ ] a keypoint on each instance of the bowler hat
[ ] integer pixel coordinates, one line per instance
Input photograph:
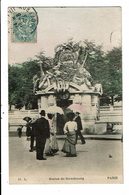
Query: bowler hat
(42, 112)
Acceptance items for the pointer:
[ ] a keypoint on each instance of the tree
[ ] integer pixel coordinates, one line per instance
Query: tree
(21, 84)
(115, 57)
(112, 84)
(29, 69)
(21, 81)
(95, 60)
(105, 68)
(15, 83)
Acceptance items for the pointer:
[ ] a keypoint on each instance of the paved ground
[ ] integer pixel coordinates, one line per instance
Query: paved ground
(98, 161)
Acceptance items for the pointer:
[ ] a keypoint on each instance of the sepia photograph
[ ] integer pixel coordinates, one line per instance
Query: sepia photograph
(65, 108)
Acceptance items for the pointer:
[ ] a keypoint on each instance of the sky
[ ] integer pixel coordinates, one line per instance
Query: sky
(57, 25)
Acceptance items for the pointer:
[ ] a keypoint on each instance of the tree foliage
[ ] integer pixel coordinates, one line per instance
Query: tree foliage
(105, 68)
(21, 84)
(112, 83)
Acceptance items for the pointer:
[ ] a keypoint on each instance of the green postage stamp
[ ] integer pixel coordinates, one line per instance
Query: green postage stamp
(24, 24)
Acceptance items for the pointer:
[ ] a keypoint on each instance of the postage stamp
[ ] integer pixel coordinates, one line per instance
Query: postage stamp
(24, 25)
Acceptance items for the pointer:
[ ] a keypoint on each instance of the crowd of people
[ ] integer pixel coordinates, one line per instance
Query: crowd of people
(42, 132)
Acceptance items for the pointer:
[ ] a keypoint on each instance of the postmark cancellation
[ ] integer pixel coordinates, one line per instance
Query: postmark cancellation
(23, 24)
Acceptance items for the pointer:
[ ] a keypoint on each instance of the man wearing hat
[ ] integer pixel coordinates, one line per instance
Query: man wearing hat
(79, 128)
(42, 133)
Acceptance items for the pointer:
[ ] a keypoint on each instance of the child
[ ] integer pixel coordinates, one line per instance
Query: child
(19, 130)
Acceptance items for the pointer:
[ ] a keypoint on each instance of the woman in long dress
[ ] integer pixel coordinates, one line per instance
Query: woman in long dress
(51, 144)
(70, 129)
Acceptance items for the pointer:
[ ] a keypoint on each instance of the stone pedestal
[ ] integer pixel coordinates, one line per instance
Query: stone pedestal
(44, 102)
(88, 99)
(86, 102)
(100, 128)
(95, 106)
(77, 99)
(51, 100)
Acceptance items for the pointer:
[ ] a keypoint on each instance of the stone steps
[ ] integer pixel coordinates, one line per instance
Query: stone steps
(16, 117)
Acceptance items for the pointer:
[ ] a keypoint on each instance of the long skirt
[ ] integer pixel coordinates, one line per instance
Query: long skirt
(51, 146)
(54, 144)
(69, 146)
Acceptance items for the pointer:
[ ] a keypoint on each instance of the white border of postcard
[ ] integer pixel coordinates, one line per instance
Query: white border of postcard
(62, 189)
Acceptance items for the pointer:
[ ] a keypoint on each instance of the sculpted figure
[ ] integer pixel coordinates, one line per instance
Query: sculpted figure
(82, 76)
(98, 88)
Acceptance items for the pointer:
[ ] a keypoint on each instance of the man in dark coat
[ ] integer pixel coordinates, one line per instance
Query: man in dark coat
(32, 137)
(79, 128)
(42, 133)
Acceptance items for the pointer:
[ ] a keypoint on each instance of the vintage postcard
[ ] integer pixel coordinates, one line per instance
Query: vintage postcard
(65, 95)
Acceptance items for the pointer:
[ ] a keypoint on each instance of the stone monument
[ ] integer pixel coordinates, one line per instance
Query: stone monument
(67, 83)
